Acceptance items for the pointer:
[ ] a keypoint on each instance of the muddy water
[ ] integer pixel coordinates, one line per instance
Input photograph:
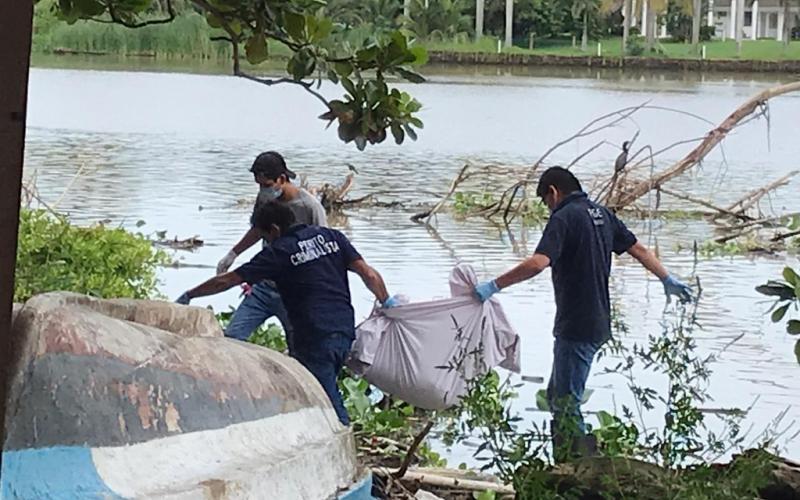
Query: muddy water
(172, 150)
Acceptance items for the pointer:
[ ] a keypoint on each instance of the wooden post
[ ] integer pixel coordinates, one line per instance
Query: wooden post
(16, 17)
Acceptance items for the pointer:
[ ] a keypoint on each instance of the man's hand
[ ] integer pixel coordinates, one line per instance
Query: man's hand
(226, 262)
(184, 299)
(391, 302)
(486, 289)
(674, 287)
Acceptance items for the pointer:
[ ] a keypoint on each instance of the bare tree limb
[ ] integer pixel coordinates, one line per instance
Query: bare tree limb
(704, 203)
(116, 19)
(712, 139)
(412, 450)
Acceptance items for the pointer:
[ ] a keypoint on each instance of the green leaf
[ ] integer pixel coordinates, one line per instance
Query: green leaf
(361, 142)
(790, 276)
(586, 395)
(332, 76)
(484, 495)
(777, 289)
(344, 69)
(89, 8)
(295, 25)
(797, 350)
(349, 87)
(213, 21)
(416, 122)
(397, 132)
(255, 49)
(411, 76)
(541, 400)
(793, 327)
(779, 313)
(323, 29)
(410, 132)
(420, 55)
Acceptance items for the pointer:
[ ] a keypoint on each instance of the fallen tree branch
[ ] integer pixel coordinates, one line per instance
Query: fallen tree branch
(461, 177)
(420, 476)
(703, 203)
(754, 196)
(412, 450)
(712, 139)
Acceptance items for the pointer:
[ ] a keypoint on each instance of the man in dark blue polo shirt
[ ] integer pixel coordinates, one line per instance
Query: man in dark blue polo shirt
(577, 244)
(309, 266)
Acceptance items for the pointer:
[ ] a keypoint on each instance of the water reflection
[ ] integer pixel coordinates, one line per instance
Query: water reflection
(173, 150)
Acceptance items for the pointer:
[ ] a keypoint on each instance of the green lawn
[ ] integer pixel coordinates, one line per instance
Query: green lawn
(767, 50)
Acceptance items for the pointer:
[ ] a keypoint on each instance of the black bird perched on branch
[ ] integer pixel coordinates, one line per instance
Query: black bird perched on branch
(622, 159)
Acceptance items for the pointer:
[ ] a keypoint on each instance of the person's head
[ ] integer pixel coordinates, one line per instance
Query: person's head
(272, 220)
(270, 172)
(555, 184)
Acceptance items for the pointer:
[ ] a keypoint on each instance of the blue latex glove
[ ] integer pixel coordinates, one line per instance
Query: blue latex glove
(674, 287)
(184, 299)
(486, 289)
(391, 302)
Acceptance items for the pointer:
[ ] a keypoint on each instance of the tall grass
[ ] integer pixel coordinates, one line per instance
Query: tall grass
(187, 36)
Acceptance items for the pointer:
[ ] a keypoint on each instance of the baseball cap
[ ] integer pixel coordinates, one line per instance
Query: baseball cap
(272, 165)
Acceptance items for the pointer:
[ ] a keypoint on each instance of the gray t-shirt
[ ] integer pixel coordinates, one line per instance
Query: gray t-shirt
(305, 207)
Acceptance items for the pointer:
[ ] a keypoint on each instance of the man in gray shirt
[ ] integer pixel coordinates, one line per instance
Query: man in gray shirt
(275, 181)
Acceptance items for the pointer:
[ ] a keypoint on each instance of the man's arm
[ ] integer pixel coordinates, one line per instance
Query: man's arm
(371, 278)
(525, 270)
(215, 285)
(648, 260)
(249, 239)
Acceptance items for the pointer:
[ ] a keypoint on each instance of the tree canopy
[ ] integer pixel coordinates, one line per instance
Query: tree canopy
(321, 49)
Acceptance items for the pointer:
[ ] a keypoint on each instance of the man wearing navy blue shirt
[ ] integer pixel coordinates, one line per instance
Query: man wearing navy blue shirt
(309, 265)
(577, 244)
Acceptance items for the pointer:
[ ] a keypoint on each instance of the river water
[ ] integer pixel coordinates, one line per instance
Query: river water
(172, 151)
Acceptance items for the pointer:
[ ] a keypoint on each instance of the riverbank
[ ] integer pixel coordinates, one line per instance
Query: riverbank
(649, 63)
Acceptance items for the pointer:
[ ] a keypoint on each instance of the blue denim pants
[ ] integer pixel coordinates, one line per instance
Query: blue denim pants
(324, 358)
(263, 302)
(572, 361)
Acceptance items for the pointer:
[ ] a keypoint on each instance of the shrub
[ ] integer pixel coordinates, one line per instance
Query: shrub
(104, 262)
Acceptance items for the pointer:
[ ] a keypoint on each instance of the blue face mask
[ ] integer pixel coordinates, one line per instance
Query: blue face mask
(270, 193)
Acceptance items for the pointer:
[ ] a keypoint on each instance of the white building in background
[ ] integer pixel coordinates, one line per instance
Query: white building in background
(762, 19)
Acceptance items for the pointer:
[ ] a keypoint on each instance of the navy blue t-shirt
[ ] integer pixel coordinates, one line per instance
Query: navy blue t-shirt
(579, 239)
(309, 266)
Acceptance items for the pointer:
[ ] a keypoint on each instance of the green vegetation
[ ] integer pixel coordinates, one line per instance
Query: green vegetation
(672, 460)
(317, 48)
(468, 203)
(761, 50)
(99, 261)
(787, 296)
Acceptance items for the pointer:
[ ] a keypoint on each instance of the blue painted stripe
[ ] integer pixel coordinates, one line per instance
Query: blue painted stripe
(58, 473)
(359, 491)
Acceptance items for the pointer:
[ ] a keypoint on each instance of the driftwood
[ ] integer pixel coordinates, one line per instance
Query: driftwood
(439, 479)
(713, 138)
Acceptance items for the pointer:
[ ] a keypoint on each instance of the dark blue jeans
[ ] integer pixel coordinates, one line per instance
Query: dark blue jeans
(262, 303)
(572, 361)
(324, 358)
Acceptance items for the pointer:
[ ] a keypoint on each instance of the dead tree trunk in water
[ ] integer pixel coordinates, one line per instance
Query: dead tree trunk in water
(629, 195)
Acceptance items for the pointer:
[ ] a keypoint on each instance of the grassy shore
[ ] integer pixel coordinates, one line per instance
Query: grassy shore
(763, 50)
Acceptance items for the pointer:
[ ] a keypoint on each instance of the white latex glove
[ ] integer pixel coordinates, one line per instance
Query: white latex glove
(226, 262)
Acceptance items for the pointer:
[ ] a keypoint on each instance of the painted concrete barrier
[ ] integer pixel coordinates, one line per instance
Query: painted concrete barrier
(140, 399)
